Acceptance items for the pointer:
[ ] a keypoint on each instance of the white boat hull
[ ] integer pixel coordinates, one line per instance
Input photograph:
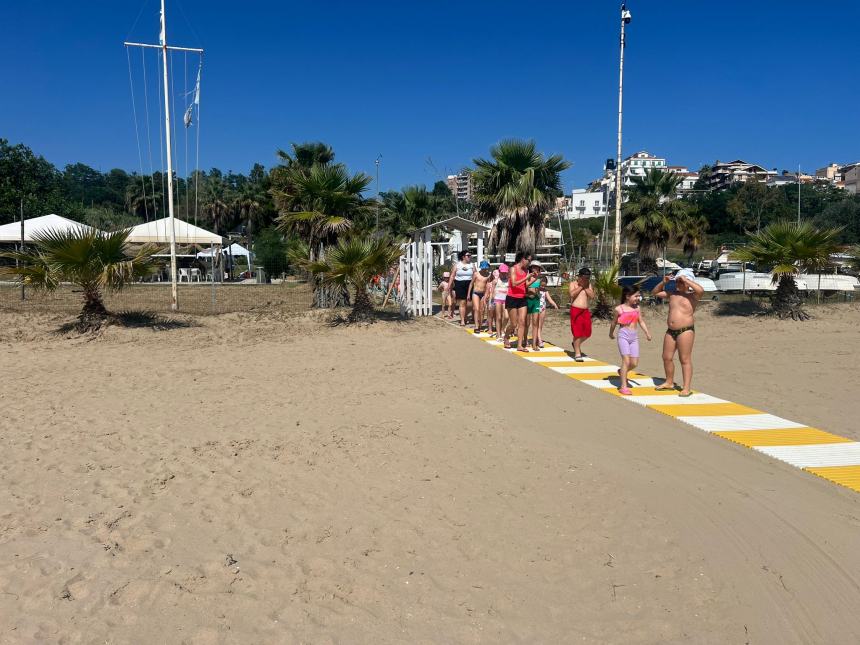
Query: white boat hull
(827, 282)
(707, 284)
(748, 281)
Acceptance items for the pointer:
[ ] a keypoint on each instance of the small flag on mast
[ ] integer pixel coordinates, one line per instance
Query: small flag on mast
(189, 113)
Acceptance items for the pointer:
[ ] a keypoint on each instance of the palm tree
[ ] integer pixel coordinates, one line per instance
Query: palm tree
(690, 232)
(306, 155)
(140, 200)
(353, 262)
(515, 191)
(606, 292)
(94, 261)
(319, 203)
(411, 208)
(790, 248)
(652, 214)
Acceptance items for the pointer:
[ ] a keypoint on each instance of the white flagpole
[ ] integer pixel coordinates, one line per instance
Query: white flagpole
(173, 288)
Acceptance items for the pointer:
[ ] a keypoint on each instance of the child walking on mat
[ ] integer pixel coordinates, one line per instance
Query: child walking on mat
(628, 317)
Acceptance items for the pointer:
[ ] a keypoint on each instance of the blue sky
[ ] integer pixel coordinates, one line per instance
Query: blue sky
(440, 82)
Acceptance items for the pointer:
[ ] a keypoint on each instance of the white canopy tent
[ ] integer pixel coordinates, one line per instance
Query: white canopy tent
(36, 225)
(158, 232)
(235, 250)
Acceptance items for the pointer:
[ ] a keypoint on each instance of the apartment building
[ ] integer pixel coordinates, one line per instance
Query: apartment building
(725, 174)
(461, 185)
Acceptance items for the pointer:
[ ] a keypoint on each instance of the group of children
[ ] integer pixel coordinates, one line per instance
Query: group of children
(487, 295)
(513, 301)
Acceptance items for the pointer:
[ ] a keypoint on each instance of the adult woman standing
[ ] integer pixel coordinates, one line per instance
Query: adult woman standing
(461, 277)
(515, 302)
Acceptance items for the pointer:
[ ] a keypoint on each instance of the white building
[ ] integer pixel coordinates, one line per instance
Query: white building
(688, 178)
(636, 165)
(585, 204)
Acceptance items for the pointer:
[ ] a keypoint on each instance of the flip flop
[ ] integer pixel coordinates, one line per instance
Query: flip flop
(579, 359)
(688, 394)
(663, 388)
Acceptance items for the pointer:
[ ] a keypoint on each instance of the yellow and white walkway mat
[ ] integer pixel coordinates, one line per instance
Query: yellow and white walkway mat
(830, 456)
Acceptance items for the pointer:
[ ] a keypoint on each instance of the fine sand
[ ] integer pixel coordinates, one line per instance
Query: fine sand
(262, 480)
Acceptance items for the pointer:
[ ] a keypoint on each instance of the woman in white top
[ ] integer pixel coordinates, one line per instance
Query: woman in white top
(461, 277)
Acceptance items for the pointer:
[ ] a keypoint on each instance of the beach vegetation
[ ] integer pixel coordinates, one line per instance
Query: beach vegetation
(95, 262)
(607, 291)
(788, 248)
(352, 263)
(515, 190)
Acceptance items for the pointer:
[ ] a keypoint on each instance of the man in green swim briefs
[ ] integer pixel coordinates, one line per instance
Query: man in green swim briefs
(683, 294)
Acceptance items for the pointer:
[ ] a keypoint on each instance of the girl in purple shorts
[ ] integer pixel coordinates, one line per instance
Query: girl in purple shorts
(628, 317)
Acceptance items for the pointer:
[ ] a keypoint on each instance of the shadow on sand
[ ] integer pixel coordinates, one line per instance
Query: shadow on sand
(742, 308)
(128, 319)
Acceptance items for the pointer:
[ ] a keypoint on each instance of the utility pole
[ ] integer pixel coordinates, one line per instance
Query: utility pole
(23, 297)
(378, 159)
(616, 245)
(798, 194)
(164, 49)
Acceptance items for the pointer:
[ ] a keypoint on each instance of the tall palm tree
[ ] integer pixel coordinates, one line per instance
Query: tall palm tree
(411, 208)
(353, 262)
(94, 261)
(306, 155)
(514, 190)
(690, 232)
(652, 214)
(248, 204)
(320, 203)
(140, 200)
(788, 248)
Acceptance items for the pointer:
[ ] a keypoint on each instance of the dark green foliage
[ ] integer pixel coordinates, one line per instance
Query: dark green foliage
(270, 252)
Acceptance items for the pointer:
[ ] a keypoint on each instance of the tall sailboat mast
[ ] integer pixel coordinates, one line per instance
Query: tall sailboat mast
(173, 287)
(169, 141)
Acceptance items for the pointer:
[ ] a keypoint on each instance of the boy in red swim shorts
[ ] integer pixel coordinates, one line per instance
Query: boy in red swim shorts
(580, 292)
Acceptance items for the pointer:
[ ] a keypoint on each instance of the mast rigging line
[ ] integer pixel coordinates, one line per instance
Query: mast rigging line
(197, 160)
(136, 133)
(148, 133)
(185, 88)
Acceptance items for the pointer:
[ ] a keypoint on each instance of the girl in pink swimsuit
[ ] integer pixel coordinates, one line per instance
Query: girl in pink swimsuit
(628, 316)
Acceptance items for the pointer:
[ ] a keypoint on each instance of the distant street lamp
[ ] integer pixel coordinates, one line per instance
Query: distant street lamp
(616, 246)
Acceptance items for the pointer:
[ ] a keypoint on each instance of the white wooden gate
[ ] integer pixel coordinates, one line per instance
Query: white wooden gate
(416, 276)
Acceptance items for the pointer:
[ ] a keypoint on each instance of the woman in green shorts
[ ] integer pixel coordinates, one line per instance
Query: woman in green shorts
(533, 302)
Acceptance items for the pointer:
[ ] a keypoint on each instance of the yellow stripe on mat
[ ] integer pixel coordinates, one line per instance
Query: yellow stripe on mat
(792, 437)
(703, 409)
(790, 444)
(848, 476)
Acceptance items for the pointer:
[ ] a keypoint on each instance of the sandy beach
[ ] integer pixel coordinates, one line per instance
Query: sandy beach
(276, 479)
